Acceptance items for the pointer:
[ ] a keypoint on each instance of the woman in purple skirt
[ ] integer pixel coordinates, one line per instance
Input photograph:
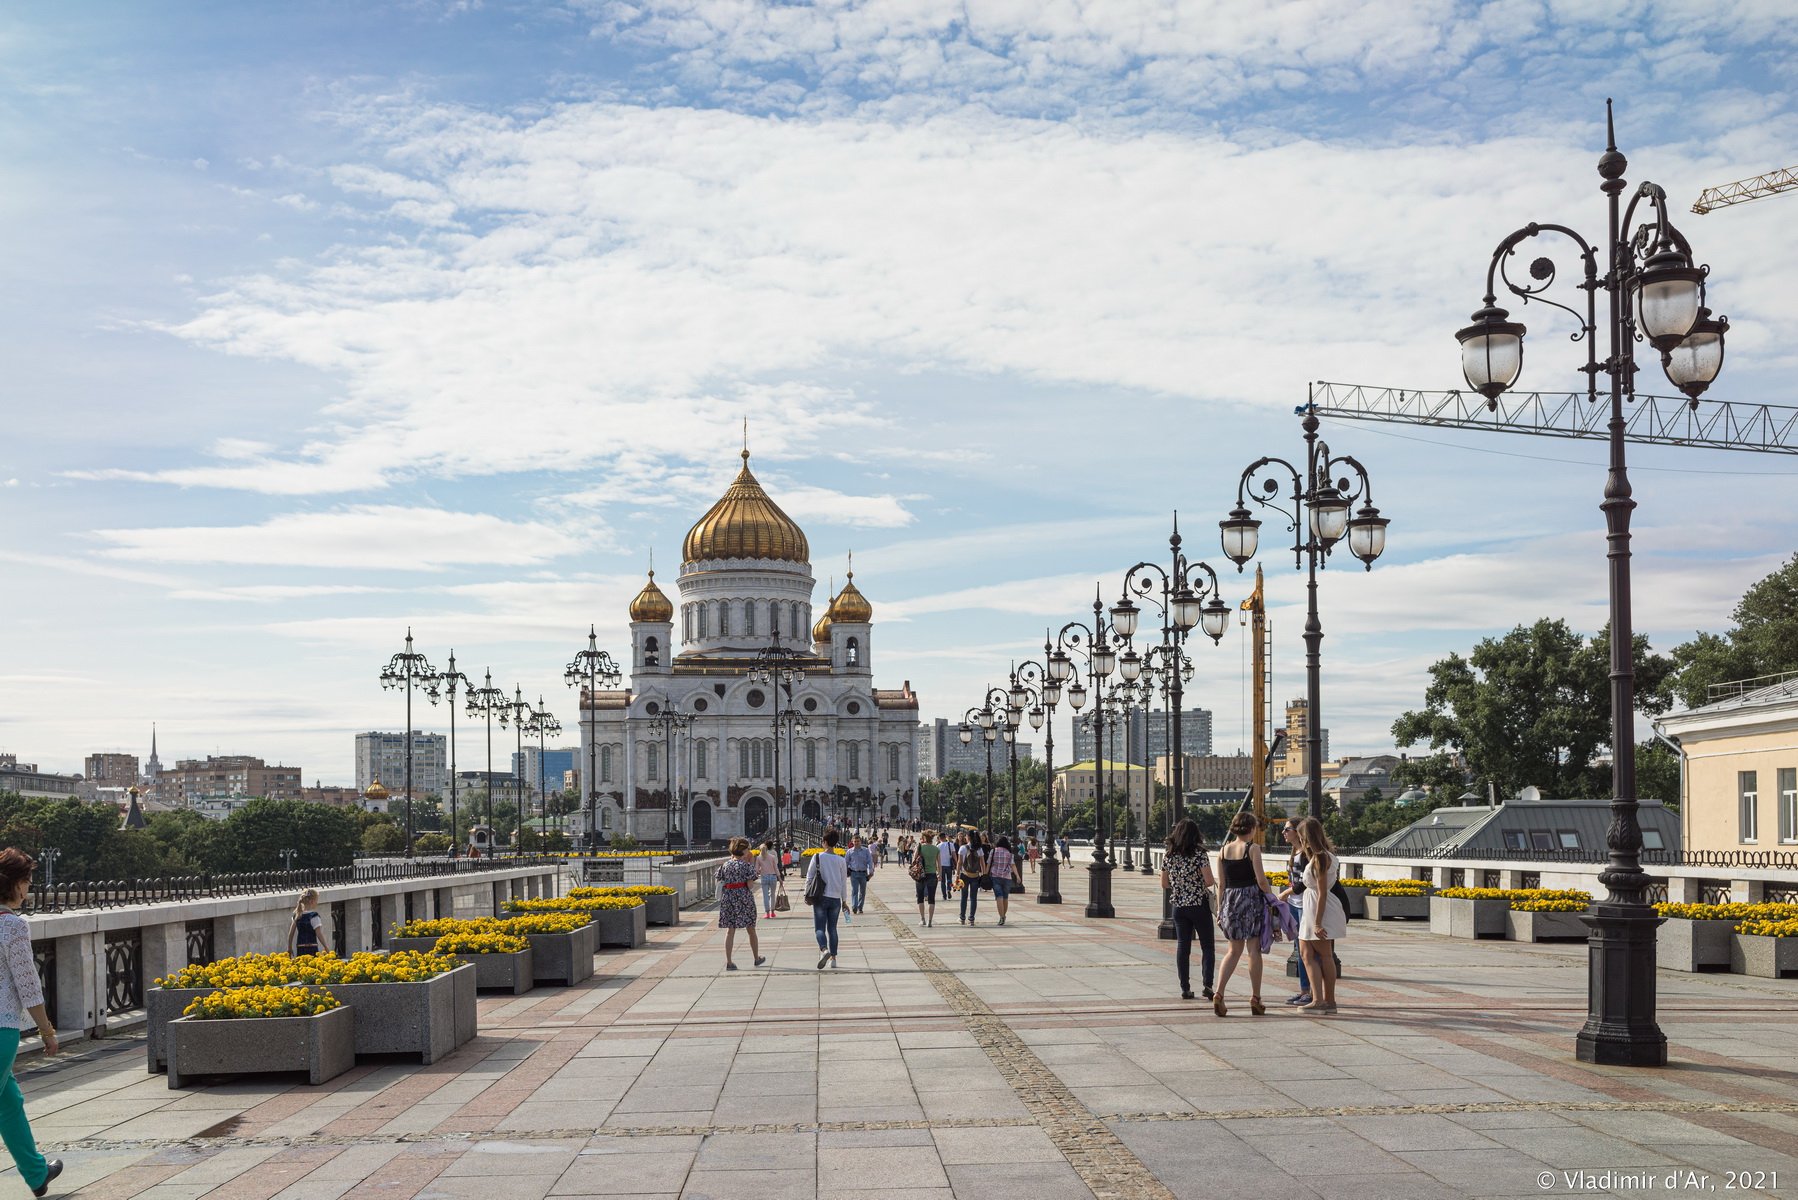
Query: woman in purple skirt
(736, 906)
(1243, 911)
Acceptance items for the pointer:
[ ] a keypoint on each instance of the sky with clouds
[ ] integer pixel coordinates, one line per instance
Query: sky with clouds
(325, 320)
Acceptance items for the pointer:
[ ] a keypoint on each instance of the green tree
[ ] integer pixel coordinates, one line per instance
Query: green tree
(383, 839)
(1441, 772)
(1532, 708)
(1657, 773)
(1764, 640)
(431, 844)
(189, 843)
(252, 838)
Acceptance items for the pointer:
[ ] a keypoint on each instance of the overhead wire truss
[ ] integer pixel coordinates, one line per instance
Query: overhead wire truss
(1650, 420)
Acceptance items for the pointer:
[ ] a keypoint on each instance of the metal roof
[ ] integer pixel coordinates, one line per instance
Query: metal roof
(1557, 825)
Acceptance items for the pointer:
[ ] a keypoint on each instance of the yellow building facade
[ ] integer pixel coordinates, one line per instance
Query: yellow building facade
(1739, 778)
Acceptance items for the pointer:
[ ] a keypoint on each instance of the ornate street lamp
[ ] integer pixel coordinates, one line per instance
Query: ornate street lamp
(450, 681)
(589, 669)
(489, 702)
(408, 670)
(671, 722)
(1035, 684)
(1318, 519)
(1186, 594)
(541, 722)
(1093, 643)
(1655, 293)
(517, 713)
(780, 668)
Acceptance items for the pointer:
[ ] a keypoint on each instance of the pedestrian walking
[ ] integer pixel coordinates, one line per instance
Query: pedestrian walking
(860, 863)
(767, 864)
(946, 866)
(923, 871)
(1323, 920)
(305, 933)
(1002, 865)
(1065, 857)
(1293, 895)
(1034, 855)
(826, 881)
(1242, 910)
(970, 865)
(736, 906)
(21, 996)
(1186, 877)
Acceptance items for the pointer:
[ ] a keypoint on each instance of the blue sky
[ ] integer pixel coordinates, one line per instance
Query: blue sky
(326, 319)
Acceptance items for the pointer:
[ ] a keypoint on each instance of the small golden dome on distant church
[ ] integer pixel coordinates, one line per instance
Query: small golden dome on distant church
(745, 523)
(375, 791)
(652, 604)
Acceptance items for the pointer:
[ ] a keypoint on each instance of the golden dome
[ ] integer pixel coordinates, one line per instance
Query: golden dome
(821, 627)
(651, 604)
(850, 605)
(745, 523)
(375, 791)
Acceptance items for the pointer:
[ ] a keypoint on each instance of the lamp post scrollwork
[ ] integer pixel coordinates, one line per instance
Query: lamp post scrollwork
(589, 670)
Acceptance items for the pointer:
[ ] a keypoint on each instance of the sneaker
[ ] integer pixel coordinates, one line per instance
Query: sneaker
(1301, 998)
(730, 966)
(1186, 994)
(833, 962)
(1206, 993)
(922, 923)
(822, 959)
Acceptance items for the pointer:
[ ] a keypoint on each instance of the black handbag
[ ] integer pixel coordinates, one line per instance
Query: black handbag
(814, 887)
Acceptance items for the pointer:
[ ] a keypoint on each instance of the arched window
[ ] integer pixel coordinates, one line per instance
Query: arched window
(686, 622)
(652, 648)
(743, 759)
(701, 631)
(649, 760)
(893, 762)
(854, 651)
(758, 756)
(749, 618)
(723, 620)
(811, 759)
(605, 764)
(699, 759)
(855, 760)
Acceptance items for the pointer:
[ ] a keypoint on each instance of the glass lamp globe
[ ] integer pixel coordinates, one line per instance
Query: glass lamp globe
(1241, 534)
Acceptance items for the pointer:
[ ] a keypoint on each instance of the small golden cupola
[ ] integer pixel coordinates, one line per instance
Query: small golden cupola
(821, 627)
(850, 606)
(375, 793)
(652, 605)
(746, 523)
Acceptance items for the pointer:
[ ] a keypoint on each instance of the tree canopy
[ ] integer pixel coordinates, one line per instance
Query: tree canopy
(1764, 640)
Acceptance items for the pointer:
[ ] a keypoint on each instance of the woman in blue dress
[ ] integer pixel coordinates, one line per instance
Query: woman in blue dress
(736, 906)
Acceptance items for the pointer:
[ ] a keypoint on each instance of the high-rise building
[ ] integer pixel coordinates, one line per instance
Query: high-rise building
(556, 764)
(111, 770)
(942, 748)
(1143, 739)
(235, 775)
(1208, 771)
(1291, 759)
(383, 756)
(27, 780)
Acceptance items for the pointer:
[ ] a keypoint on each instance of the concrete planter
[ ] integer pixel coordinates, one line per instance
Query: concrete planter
(662, 910)
(1397, 908)
(1694, 945)
(324, 1046)
(564, 958)
(502, 972)
(1764, 957)
(161, 1006)
(429, 1018)
(1546, 926)
(627, 927)
(1357, 902)
(396, 945)
(1465, 918)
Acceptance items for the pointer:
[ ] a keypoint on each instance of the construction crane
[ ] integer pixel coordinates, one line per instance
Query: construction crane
(1744, 190)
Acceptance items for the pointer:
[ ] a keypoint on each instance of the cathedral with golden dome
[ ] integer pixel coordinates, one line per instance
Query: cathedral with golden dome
(760, 712)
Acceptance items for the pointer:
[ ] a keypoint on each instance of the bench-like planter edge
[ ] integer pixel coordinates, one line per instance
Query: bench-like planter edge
(1547, 926)
(323, 1046)
(1396, 908)
(410, 1018)
(1763, 957)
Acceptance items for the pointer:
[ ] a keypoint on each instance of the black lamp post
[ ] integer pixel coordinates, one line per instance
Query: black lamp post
(408, 670)
(1656, 294)
(780, 668)
(1118, 702)
(672, 722)
(517, 713)
(451, 681)
(1095, 645)
(541, 722)
(1034, 683)
(1321, 512)
(589, 669)
(489, 702)
(1186, 594)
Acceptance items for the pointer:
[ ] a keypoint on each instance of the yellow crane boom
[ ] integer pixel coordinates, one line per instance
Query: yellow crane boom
(1744, 190)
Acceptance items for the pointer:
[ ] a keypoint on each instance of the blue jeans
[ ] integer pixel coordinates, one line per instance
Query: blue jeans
(948, 882)
(13, 1126)
(858, 889)
(824, 922)
(970, 898)
(769, 882)
(1304, 975)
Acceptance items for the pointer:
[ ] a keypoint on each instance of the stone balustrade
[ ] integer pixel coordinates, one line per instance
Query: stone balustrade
(96, 963)
(1680, 884)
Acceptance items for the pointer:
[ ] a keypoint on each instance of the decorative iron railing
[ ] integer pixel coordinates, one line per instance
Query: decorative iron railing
(124, 971)
(1774, 860)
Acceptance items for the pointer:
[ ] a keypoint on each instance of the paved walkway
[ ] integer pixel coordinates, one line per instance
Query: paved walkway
(1044, 1060)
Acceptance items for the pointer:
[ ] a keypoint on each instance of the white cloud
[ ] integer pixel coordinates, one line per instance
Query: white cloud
(388, 537)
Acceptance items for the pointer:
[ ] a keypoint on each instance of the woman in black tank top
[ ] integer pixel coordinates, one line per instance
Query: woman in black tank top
(1242, 914)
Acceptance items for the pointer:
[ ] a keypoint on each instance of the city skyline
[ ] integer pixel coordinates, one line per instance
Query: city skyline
(315, 341)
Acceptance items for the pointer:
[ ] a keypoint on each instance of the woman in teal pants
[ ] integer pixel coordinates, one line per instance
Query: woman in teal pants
(21, 995)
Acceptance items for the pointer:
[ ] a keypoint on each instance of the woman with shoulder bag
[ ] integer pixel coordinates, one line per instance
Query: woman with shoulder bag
(767, 863)
(971, 865)
(826, 883)
(21, 996)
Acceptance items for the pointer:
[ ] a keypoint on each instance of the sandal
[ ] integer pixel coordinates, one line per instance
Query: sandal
(1256, 1007)
(1218, 1006)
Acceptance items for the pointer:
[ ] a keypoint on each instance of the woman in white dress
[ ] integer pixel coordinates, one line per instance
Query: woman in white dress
(1321, 918)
